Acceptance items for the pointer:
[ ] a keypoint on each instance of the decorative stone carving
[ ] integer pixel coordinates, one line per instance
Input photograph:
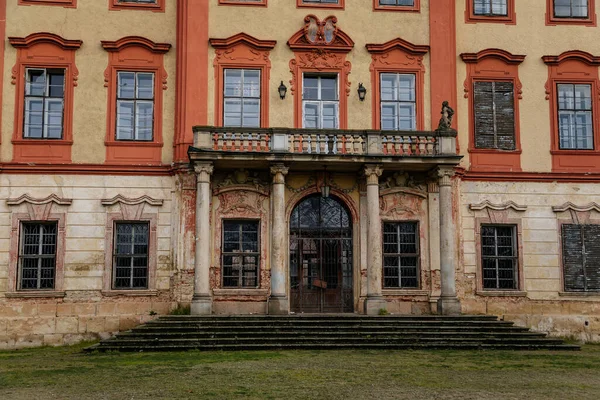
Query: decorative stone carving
(373, 172)
(279, 171)
(401, 180)
(320, 33)
(497, 213)
(320, 60)
(444, 174)
(203, 171)
(39, 209)
(447, 112)
(132, 208)
(243, 177)
(309, 183)
(251, 204)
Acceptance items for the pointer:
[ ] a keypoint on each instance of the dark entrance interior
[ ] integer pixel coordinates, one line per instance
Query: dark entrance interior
(321, 256)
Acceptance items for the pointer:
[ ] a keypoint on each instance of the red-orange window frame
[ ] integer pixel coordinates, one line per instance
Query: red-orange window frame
(340, 5)
(509, 19)
(485, 66)
(136, 54)
(44, 50)
(60, 3)
(551, 20)
(115, 5)
(397, 56)
(576, 67)
(416, 7)
(242, 51)
(262, 3)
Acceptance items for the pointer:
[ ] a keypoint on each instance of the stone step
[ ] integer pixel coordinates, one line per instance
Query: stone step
(326, 317)
(299, 323)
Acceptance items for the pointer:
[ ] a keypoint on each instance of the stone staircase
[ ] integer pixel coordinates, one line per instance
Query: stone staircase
(342, 331)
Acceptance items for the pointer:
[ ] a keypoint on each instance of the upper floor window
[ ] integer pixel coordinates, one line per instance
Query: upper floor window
(575, 128)
(241, 253)
(130, 258)
(499, 258)
(44, 103)
(398, 102)
(244, 2)
(494, 111)
(37, 255)
(581, 257)
(320, 1)
(241, 98)
(401, 255)
(320, 101)
(409, 3)
(135, 105)
(139, 1)
(571, 8)
(150, 5)
(490, 7)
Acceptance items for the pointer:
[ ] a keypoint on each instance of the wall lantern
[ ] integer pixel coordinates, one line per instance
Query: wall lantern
(362, 92)
(282, 89)
(325, 188)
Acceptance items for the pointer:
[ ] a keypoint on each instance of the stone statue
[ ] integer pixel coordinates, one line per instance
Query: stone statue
(446, 120)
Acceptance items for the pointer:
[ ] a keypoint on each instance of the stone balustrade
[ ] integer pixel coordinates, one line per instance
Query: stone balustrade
(326, 142)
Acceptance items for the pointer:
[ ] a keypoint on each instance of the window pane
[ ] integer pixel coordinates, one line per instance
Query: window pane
(251, 113)
(56, 84)
(251, 83)
(126, 85)
(54, 118)
(125, 120)
(406, 88)
(144, 120)
(310, 87)
(389, 116)
(233, 82)
(389, 89)
(566, 95)
(407, 117)
(36, 82)
(232, 112)
(329, 88)
(311, 115)
(330, 116)
(583, 97)
(34, 117)
(145, 85)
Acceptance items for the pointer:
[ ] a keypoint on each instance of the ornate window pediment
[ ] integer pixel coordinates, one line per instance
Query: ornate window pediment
(320, 34)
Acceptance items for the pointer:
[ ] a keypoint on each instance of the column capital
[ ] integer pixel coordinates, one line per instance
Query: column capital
(373, 172)
(444, 174)
(279, 171)
(203, 171)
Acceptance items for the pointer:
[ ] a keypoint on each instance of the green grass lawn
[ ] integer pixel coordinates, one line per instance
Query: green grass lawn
(67, 373)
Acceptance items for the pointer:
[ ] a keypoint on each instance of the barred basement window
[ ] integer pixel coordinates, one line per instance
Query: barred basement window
(494, 115)
(499, 257)
(130, 265)
(241, 254)
(37, 256)
(401, 255)
(491, 8)
(581, 257)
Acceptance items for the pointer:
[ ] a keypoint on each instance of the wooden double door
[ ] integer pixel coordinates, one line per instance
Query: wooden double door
(321, 257)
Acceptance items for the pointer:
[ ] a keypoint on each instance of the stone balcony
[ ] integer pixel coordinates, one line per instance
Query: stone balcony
(346, 149)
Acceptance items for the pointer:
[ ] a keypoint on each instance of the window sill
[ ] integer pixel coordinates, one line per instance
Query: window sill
(479, 19)
(130, 293)
(339, 6)
(494, 151)
(594, 295)
(158, 7)
(405, 292)
(553, 21)
(35, 294)
(501, 293)
(240, 292)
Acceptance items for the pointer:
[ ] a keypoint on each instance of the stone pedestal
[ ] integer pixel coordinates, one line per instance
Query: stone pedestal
(374, 301)
(278, 301)
(202, 300)
(448, 302)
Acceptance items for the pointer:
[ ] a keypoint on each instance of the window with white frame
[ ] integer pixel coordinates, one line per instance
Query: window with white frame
(499, 257)
(135, 105)
(37, 255)
(44, 103)
(575, 116)
(320, 101)
(130, 258)
(398, 102)
(241, 98)
(571, 8)
(490, 8)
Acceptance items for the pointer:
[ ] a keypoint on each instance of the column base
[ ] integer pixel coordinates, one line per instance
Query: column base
(448, 306)
(279, 305)
(201, 305)
(374, 305)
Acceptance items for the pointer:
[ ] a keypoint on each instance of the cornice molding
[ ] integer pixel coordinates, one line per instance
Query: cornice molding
(576, 55)
(397, 43)
(120, 199)
(568, 206)
(44, 37)
(118, 45)
(243, 38)
(497, 207)
(507, 57)
(32, 200)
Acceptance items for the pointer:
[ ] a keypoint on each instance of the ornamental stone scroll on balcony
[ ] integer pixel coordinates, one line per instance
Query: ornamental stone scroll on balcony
(326, 142)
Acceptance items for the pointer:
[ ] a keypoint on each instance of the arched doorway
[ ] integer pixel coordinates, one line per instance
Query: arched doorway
(321, 256)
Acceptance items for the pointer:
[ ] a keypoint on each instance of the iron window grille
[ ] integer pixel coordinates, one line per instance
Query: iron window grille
(37, 256)
(490, 8)
(581, 257)
(494, 111)
(499, 257)
(575, 116)
(320, 101)
(135, 105)
(130, 258)
(241, 254)
(44, 103)
(398, 102)
(401, 255)
(571, 9)
(241, 98)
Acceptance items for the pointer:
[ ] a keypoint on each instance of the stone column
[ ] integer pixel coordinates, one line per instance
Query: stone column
(202, 300)
(374, 301)
(278, 301)
(448, 303)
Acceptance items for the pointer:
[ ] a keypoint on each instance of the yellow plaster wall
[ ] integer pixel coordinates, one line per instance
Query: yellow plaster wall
(281, 19)
(530, 36)
(91, 22)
